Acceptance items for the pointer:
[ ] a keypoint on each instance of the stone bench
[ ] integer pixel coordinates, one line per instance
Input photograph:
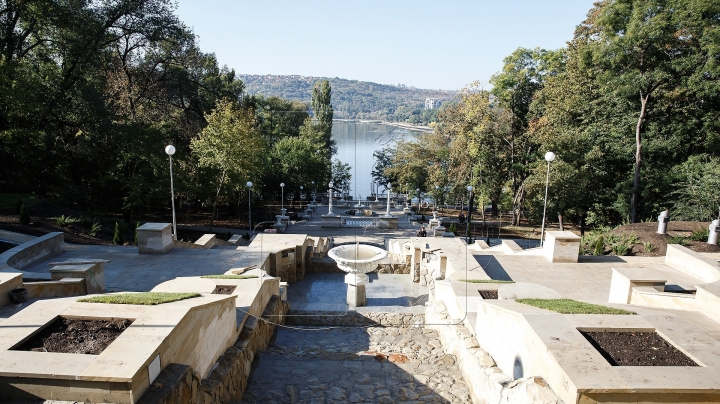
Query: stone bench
(510, 247)
(561, 246)
(155, 238)
(207, 241)
(93, 274)
(624, 280)
(235, 239)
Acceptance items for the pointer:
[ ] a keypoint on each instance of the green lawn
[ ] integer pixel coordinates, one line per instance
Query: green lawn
(484, 281)
(144, 298)
(8, 201)
(229, 276)
(569, 306)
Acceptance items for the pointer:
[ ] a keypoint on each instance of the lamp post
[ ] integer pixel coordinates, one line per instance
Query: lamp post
(389, 187)
(417, 191)
(301, 194)
(170, 150)
(313, 191)
(282, 198)
(330, 196)
(549, 157)
(437, 190)
(468, 239)
(249, 187)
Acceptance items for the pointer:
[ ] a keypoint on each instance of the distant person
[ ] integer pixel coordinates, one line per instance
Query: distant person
(461, 218)
(422, 232)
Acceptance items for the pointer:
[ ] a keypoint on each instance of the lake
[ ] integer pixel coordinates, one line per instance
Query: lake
(356, 141)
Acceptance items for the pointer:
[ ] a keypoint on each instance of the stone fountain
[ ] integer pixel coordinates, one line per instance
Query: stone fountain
(357, 260)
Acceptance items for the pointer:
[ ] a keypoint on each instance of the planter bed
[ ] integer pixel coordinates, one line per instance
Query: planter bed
(636, 349)
(69, 335)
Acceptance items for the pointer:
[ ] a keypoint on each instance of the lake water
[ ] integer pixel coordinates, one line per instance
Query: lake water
(356, 142)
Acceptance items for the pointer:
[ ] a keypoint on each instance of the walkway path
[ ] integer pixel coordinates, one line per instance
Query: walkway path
(340, 365)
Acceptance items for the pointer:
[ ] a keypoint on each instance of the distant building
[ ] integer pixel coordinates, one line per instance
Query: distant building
(432, 103)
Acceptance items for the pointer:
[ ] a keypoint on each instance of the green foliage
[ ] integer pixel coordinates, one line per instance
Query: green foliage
(135, 240)
(484, 281)
(229, 276)
(13, 201)
(118, 237)
(697, 182)
(143, 298)
(677, 240)
(648, 247)
(453, 228)
(65, 221)
(24, 216)
(569, 306)
(341, 176)
(18, 206)
(95, 229)
(621, 248)
(700, 234)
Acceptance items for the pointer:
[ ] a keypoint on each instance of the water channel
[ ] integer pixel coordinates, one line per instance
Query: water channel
(357, 141)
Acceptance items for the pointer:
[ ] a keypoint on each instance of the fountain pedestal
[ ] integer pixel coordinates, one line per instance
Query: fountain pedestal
(356, 289)
(357, 260)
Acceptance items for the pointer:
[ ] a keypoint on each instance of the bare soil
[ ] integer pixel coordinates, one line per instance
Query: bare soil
(223, 290)
(647, 232)
(68, 335)
(488, 294)
(637, 349)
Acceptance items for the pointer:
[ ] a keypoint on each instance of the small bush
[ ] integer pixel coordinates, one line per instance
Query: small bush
(95, 229)
(135, 241)
(65, 221)
(631, 238)
(648, 246)
(453, 228)
(118, 235)
(621, 248)
(599, 247)
(677, 240)
(24, 216)
(700, 234)
(246, 236)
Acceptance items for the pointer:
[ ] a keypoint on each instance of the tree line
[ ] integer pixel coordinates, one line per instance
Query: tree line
(631, 108)
(92, 92)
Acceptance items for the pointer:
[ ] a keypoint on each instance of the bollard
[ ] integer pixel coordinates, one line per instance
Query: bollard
(714, 230)
(663, 220)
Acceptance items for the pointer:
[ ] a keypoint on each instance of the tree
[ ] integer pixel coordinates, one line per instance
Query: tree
(646, 50)
(341, 176)
(231, 146)
(383, 161)
(698, 180)
(323, 110)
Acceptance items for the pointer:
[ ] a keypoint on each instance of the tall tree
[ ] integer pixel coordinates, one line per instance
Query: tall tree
(323, 110)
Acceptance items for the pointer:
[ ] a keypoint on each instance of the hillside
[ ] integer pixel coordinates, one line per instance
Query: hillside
(353, 99)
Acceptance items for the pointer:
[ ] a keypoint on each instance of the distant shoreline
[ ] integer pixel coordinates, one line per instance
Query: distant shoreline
(403, 125)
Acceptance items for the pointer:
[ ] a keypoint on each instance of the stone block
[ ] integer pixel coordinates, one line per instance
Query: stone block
(387, 223)
(694, 264)
(93, 274)
(154, 238)
(206, 241)
(561, 246)
(327, 221)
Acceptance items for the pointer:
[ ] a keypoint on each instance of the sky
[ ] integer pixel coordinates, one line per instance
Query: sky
(426, 44)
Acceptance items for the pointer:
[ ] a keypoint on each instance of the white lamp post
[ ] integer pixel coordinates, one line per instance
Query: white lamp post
(170, 150)
(470, 203)
(249, 187)
(282, 198)
(437, 190)
(387, 214)
(313, 191)
(549, 157)
(301, 196)
(330, 196)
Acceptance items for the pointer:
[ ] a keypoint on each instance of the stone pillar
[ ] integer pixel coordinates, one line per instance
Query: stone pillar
(356, 289)
(387, 213)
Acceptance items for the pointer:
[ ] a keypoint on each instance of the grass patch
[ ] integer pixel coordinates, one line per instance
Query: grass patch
(144, 298)
(569, 306)
(484, 281)
(229, 276)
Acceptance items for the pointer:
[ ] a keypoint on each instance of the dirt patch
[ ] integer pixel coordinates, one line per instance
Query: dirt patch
(637, 349)
(647, 233)
(76, 336)
(488, 294)
(224, 290)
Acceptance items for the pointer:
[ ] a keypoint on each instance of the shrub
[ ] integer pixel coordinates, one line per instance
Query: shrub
(246, 236)
(677, 240)
(700, 234)
(620, 248)
(118, 236)
(24, 216)
(95, 229)
(648, 246)
(453, 228)
(64, 221)
(631, 238)
(599, 247)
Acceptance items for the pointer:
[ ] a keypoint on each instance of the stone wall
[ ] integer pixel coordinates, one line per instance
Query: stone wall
(487, 383)
(353, 318)
(400, 264)
(180, 384)
(322, 264)
(32, 251)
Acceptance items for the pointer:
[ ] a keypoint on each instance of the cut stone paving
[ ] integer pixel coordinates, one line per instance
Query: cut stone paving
(375, 364)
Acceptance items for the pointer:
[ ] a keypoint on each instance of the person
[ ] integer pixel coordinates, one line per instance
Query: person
(461, 218)
(422, 232)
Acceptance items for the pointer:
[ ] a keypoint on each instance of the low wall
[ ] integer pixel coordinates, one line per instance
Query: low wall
(8, 282)
(180, 384)
(694, 264)
(32, 251)
(63, 288)
(354, 318)
(486, 382)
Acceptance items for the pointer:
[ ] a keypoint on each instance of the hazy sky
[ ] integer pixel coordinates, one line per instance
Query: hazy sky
(426, 44)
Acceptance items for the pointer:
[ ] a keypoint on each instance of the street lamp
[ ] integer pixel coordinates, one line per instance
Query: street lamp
(468, 239)
(417, 191)
(170, 150)
(437, 190)
(330, 196)
(549, 157)
(389, 187)
(282, 198)
(313, 191)
(249, 187)
(301, 196)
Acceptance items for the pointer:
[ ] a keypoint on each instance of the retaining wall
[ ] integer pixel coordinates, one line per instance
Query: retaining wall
(32, 251)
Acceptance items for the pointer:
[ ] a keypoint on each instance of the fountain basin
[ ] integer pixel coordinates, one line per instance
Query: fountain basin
(357, 258)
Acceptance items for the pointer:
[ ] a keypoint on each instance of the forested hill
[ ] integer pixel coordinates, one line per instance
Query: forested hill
(353, 99)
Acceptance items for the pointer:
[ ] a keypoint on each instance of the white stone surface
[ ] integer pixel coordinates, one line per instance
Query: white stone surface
(526, 290)
(561, 246)
(695, 264)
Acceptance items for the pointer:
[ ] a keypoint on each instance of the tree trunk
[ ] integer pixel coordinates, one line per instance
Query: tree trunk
(560, 219)
(638, 150)
(517, 202)
(582, 224)
(217, 196)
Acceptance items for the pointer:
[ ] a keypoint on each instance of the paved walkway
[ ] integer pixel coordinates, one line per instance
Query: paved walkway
(342, 365)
